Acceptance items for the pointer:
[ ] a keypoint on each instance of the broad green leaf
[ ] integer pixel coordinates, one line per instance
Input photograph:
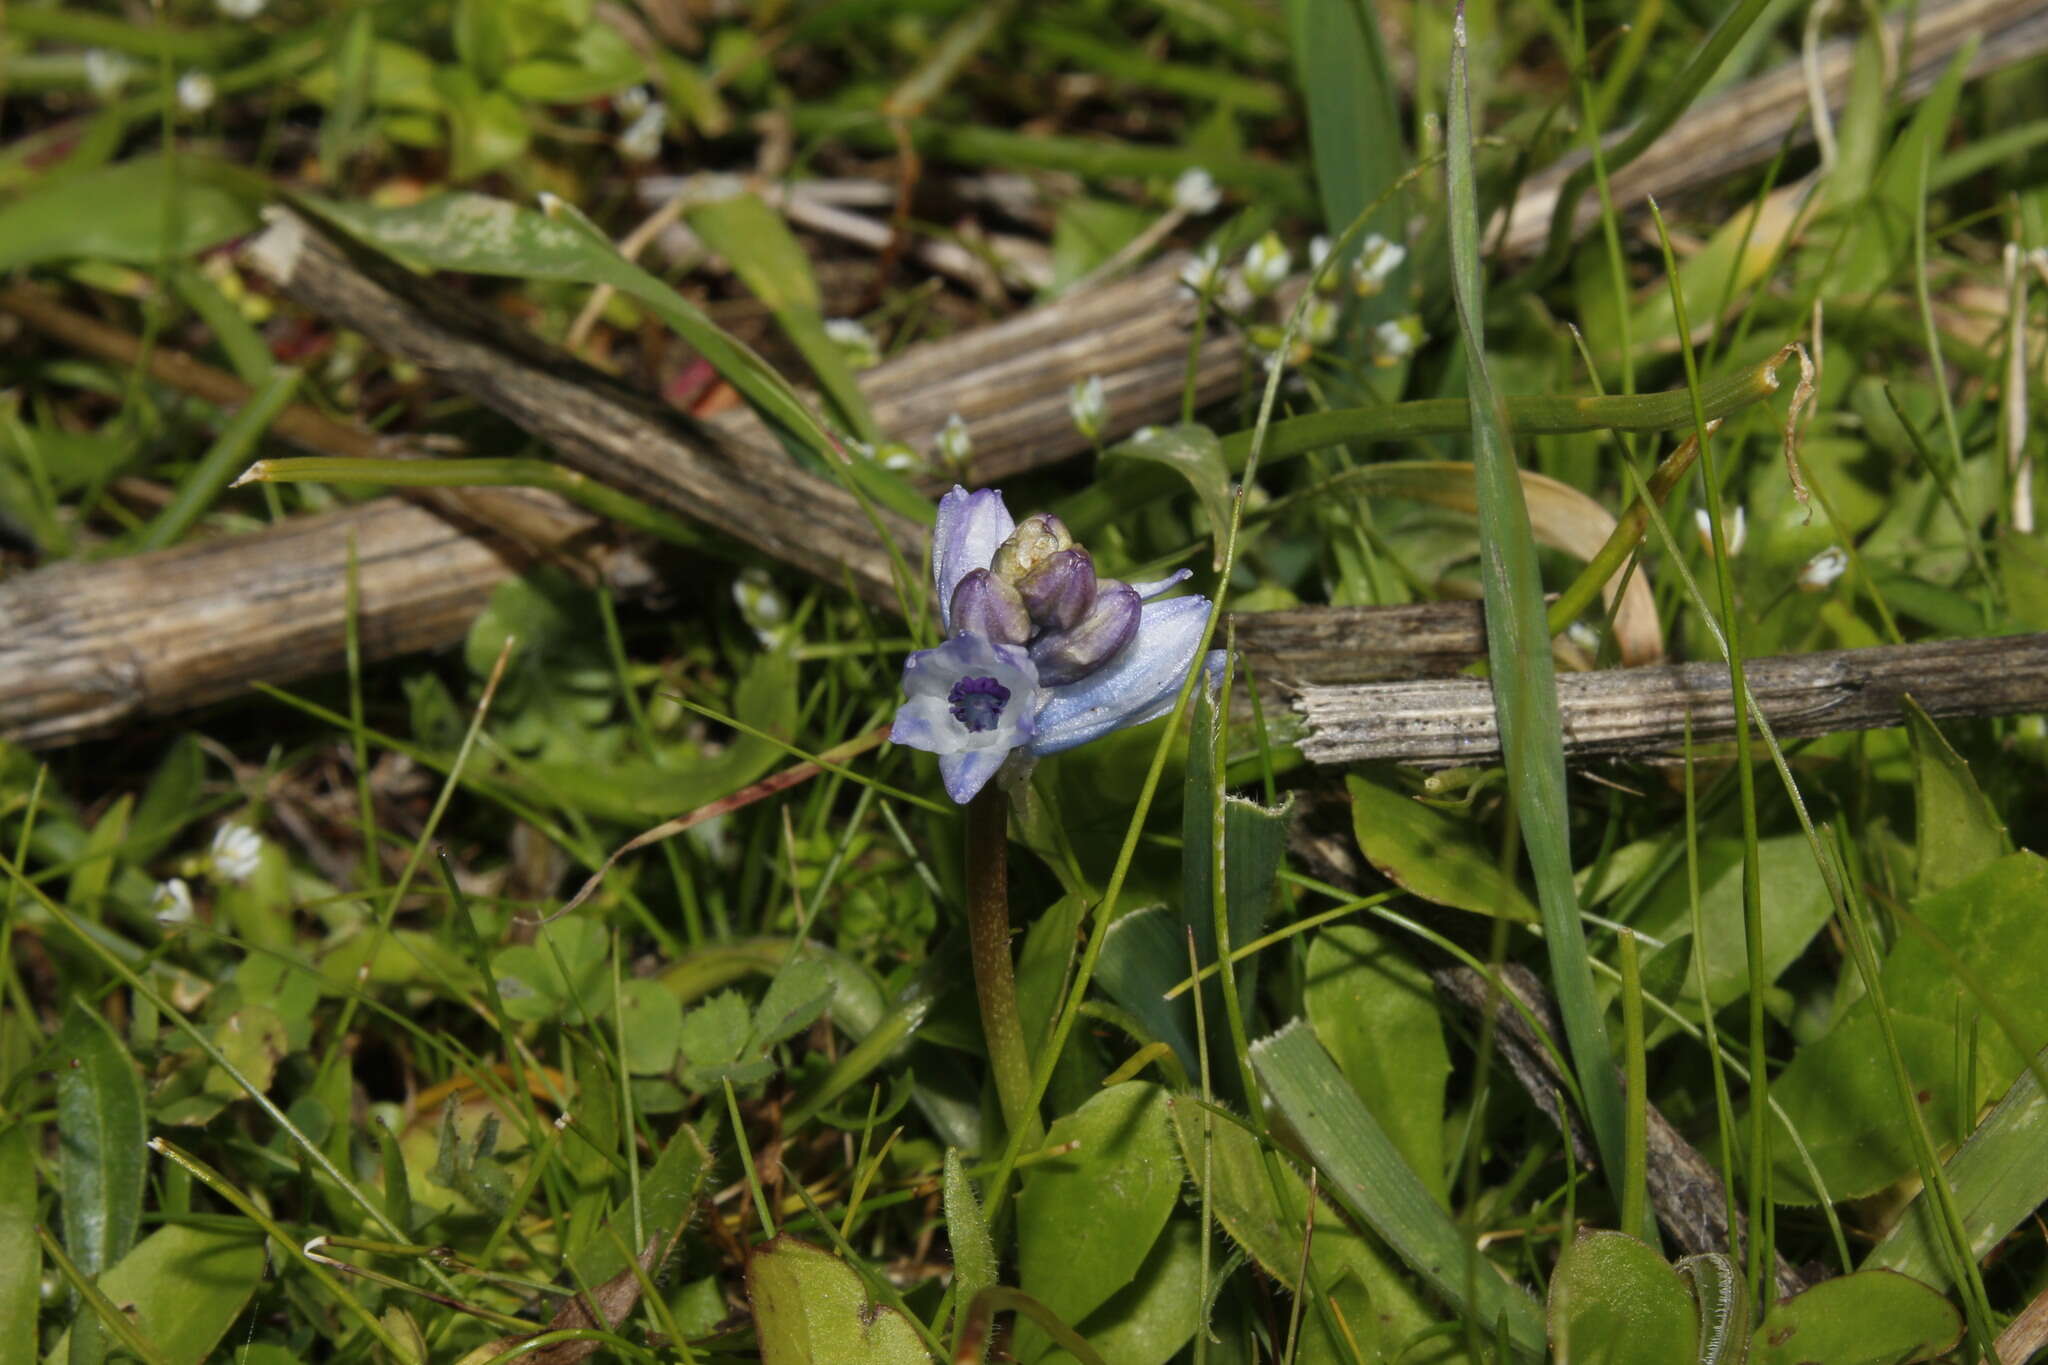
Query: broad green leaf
(758, 244)
(794, 999)
(714, 1034)
(1722, 1298)
(1958, 832)
(559, 975)
(1087, 1220)
(1352, 1268)
(1873, 1317)
(89, 879)
(1144, 954)
(810, 1308)
(1430, 854)
(1839, 1091)
(118, 213)
(1795, 907)
(1086, 232)
(1366, 1175)
(650, 1026)
(253, 1040)
(1999, 1177)
(184, 1287)
(974, 1254)
(101, 1161)
(1613, 1301)
(668, 1196)
(1157, 1313)
(1191, 451)
(21, 1269)
(1373, 1009)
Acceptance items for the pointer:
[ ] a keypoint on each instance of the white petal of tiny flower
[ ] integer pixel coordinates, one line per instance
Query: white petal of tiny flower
(641, 140)
(1378, 258)
(632, 102)
(1736, 528)
(1199, 274)
(1319, 326)
(195, 92)
(1267, 264)
(954, 443)
(172, 902)
(1318, 251)
(1195, 192)
(1820, 572)
(106, 71)
(762, 606)
(1584, 636)
(1392, 341)
(237, 852)
(240, 9)
(855, 340)
(1088, 406)
(899, 458)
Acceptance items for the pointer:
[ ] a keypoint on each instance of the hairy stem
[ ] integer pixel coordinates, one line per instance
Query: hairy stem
(995, 981)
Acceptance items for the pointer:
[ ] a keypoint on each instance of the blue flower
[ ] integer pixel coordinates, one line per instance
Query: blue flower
(1074, 657)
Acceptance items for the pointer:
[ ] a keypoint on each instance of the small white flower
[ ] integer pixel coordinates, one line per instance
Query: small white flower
(1818, 573)
(1737, 529)
(240, 9)
(1266, 264)
(899, 458)
(1195, 192)
(1319, 324)
(855, 340)
(1088, 405)
(1378, 258)
(1199, 274)
(1318, 251)
(641, 140)
(1394, 340)
(195, 92)
(762, 606)
(632, 102)
(954, 444)
(106, 71)
(237, 851)
(172, 903)
(1584, 636)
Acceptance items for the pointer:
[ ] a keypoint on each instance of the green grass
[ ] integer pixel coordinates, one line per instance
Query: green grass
(378, 1097)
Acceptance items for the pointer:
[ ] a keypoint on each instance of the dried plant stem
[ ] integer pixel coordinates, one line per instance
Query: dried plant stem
(995, 980)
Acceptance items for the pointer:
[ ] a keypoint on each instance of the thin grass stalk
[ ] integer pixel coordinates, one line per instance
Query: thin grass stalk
(1635, 1133)
(1524, 680)
(1724, 1108)
(1756, 1264)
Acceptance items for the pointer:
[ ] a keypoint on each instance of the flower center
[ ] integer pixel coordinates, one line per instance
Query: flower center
(978, 703)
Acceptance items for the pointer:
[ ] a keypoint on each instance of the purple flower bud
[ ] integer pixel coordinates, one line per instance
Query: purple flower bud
(1061, 590)
(987, 606)
(1035, 538)
(1069, 655)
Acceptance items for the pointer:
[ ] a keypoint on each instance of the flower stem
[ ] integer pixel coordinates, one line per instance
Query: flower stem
(995, 981)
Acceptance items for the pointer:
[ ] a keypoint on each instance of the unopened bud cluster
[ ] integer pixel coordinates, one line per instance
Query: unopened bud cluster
(1040, 591)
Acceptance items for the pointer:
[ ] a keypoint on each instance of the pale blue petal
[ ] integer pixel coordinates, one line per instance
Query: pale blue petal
(1152, 666)
(926, 723)
(1213, 666)
(970, 526)
(967, 773)
(1147, 591)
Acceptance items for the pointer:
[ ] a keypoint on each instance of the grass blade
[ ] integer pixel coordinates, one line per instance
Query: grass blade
(1368, 1176)
(1518, 643)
